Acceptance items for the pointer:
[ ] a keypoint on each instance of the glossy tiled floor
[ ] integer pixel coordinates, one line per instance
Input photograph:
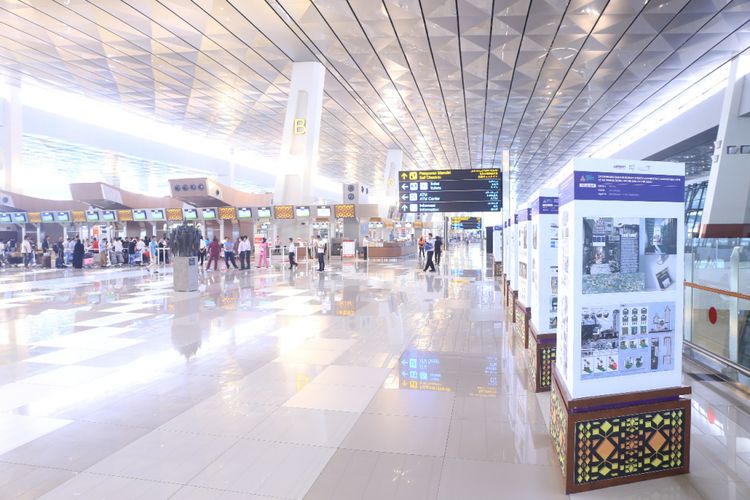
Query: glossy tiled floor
(372, 380)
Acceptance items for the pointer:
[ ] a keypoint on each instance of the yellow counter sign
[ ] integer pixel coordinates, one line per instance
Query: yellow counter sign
(446, 175)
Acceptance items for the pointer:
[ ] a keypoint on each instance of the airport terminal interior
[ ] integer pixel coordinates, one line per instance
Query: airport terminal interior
(374, 249)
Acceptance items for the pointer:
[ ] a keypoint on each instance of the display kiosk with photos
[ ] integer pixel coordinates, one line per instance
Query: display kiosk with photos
(510, 302)
(543, 276)
(523, 297)
(619, 411)
(497, 251)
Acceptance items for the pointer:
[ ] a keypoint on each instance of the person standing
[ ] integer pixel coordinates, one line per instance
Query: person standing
(320, 251)
(292, 252)
(153, 249)
(229, 253)
(263, 253)
(27, 251)
(421, 246)
(365, 243)
(78, 251)
(214, 249)
(429, 246)
(242, 250)
(438, 249)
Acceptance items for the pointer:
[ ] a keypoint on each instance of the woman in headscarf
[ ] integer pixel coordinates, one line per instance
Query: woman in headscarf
(78, 252)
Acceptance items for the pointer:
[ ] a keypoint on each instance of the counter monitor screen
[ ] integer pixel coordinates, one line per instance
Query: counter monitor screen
(209, 213)
(5, 219)
(92, 216)
(264, 213)
(302, 211)
(62, 216)
(47, 217)
(139, 215)
(244, 213)
(108, 215)
(189, 213)
(20, 217)
(157, 214)
(324, 211)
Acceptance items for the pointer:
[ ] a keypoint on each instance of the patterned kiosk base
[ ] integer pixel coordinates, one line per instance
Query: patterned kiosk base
(510, 310)
(522, 320)
(625, 438)
(541, 359)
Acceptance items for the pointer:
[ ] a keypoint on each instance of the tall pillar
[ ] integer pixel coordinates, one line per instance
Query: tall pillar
(727, 209)
(299, 147)
(11, 140)
(393, 162)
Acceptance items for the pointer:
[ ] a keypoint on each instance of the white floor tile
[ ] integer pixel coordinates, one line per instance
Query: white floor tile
(16, 430)
(305, 426)
(102, 487)
(338, 398)
(274, 469)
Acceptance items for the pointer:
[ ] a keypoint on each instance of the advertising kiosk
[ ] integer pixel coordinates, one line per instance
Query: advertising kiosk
(497, 251)
(523, 296)
(619, 412)
(510, 301)
(543, 272)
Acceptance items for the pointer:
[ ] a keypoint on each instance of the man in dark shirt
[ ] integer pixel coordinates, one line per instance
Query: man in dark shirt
(438, 249)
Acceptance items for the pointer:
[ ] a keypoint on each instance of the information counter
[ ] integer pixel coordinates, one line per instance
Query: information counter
(390, 249)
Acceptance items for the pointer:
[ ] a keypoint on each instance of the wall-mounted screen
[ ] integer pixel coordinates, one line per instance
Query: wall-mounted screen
(139, 215)
(157, 214)
(108, 215)
(324, 211)
(5, 219)
(264, 213)
(47, 217)
(92, 216)
(209, 213)
(20, 217)
(62, 216)
(189, 213)
(244, 213)
(302, 211)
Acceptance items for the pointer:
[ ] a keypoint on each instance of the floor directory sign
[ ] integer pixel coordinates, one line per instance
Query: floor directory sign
(620, 261)
(430, 191)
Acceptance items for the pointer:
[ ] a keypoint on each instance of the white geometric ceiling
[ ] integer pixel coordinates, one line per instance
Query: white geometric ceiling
(451, 82)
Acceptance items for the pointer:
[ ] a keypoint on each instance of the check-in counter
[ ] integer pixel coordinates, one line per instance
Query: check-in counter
(390, 249)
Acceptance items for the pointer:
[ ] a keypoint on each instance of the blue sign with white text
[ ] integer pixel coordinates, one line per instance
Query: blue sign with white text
(610, 186)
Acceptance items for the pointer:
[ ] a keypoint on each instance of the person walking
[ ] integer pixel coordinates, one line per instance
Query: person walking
(78, 251)
(365, 244)
(229, 253)
(291, 250)
(320, 251)
(214, 250)
(429, 246)
(438, 249)
(421, 247)
(153, 249)
(201, 251)
(263, 253)
(244, 249)
(27, 251)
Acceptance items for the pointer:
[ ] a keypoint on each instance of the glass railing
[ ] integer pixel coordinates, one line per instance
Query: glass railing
(717, 297)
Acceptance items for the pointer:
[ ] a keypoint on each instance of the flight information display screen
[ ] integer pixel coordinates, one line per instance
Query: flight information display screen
(264, 213)
(62, 217)
(92, 216)
(430, 191)
(157, 214)
(20, 218)
(189, 213)
(139, 215)
(244, 213)
(108, 215)
(47, 217)
(209, 213)
(459, 223)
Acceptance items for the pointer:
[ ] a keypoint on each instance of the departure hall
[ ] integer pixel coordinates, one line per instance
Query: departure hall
(374, 249)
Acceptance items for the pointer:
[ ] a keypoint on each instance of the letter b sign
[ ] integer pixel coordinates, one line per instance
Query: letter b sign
(300, 126)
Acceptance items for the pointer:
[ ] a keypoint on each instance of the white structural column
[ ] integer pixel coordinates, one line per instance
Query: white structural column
(727, 209)
(393, 162)
(11, 140)
(299, 148)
